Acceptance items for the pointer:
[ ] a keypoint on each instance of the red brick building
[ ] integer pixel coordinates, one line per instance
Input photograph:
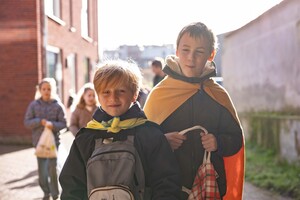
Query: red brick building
(38, 39)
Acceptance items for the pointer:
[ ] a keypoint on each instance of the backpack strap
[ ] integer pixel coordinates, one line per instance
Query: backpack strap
(101, 141)
(98, 143)
(130, 139)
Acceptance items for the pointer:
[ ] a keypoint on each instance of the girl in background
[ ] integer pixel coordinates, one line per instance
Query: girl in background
(83, 108)
(46, 110)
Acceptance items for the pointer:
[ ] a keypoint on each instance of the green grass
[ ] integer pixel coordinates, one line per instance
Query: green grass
(264, 170)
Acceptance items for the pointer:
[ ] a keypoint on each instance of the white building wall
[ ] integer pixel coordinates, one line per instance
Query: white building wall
(261, 61)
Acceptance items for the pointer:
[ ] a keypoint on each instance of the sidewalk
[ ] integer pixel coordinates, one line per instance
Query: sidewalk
(19, 179)
(18, 170)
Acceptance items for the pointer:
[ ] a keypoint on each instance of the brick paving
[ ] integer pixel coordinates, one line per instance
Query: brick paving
(19, 179)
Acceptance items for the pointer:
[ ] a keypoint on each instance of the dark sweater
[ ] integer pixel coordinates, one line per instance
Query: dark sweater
(157, 79)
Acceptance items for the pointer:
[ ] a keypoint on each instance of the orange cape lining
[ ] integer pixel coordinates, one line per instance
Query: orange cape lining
(170, 93)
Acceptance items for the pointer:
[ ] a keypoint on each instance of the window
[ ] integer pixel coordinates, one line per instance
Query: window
(71, 65)
(54, 66)
(85, 19)
(71, 28)
(52, 8)
(86, 69)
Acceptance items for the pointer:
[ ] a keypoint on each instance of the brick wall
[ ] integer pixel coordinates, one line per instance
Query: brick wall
(62, 37)
(67, 37)
(18, 66)
(22, 57)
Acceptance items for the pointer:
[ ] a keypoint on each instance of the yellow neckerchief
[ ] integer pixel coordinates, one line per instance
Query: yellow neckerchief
(115, 124)
(171, 93)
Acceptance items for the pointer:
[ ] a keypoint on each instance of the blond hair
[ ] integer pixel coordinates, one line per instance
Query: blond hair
(114, 73)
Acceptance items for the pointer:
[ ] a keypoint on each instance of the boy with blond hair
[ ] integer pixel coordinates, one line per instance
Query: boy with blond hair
(117, 84)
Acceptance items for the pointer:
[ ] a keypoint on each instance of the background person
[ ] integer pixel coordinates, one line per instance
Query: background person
(83, 108)
(46, 110)
(156, 67)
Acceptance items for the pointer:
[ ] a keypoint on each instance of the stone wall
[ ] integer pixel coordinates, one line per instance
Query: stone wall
(280, 133)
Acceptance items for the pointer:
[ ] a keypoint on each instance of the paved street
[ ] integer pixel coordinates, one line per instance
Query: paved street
(19, 179)
(18, 170)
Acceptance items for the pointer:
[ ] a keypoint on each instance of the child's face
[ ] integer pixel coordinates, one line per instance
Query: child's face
(89, 97)
(193, 54)
(45, 91)
(115, 101)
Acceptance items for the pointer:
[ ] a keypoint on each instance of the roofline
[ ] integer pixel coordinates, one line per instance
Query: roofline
(282, 3)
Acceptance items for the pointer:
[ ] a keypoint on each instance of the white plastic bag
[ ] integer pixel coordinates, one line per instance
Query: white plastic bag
(46, 147)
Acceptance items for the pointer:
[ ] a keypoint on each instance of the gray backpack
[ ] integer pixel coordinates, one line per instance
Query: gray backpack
(115, 171)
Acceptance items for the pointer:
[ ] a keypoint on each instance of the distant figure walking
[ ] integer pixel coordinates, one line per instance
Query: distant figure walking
(46, 111)
(83, 108)
(157, 70)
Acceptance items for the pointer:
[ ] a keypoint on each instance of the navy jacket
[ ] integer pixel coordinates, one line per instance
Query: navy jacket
(159, 163)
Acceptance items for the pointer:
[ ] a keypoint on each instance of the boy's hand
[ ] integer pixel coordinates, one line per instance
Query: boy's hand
(175, 140)
(209, 142)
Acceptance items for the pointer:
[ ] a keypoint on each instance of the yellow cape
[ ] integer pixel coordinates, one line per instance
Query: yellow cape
(170, 93)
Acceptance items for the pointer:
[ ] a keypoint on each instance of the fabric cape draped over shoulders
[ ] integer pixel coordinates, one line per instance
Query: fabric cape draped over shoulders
(170, 93)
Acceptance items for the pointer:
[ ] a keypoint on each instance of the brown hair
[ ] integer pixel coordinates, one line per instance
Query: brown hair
(86, 87)
(117, 72)
(157, 63)
(197, 30)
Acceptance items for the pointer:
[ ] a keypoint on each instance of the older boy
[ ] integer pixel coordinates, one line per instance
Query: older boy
(117, 84)
(189, 97)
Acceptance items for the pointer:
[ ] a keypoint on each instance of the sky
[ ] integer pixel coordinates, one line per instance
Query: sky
(157, 22)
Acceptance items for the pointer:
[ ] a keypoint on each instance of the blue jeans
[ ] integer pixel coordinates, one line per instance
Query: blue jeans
(48, 176)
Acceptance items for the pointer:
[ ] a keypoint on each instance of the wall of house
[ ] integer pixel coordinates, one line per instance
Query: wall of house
(66, 35)
(20, 65)
(261, 62)
(22, 54)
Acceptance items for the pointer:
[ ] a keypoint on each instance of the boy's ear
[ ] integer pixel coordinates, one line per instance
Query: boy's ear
(177, 52)
(212, 55)
(135, 96)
